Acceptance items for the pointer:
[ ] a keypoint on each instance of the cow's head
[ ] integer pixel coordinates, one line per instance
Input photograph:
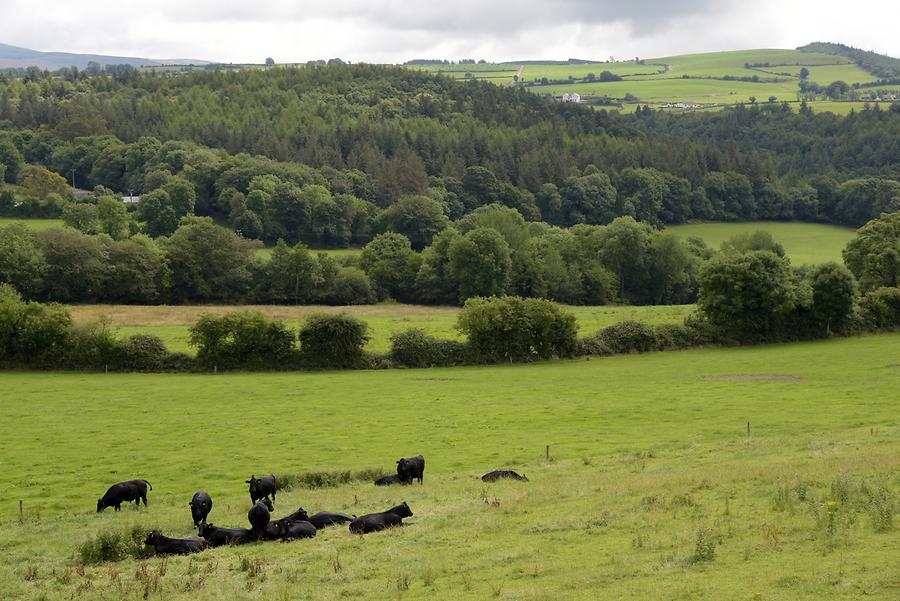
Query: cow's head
(152, 538)
(403, 510)
(100, 505)
(205, 529)
(302, 515)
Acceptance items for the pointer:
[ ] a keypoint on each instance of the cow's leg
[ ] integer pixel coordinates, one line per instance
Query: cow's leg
(118, 507)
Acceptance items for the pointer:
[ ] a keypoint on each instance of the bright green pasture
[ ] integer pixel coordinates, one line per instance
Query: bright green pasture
(824, 75)
(804, 243)
(337, 253)
(651, 459)
(37, 224)
(580, 71)
(687, 90)
(172, 323)
(718, 64)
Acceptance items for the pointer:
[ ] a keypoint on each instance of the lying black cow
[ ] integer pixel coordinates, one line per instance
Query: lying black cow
(499, 474)
(389, 480)
(374, 522)
(261, 488)
(124, 492)
(216, 537)
(323, 519)
(274, 530)
(259, 516)
(292, 530)
(201, 505)
(174, 546)
(411, 469)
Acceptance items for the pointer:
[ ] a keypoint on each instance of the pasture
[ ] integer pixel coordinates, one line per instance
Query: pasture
(37, 224)
(655, 490)
(171, 323)
(804, 243)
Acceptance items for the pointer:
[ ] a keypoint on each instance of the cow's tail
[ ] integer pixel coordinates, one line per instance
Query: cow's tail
(148, 484)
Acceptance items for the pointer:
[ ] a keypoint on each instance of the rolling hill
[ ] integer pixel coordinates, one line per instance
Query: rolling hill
(15, 57)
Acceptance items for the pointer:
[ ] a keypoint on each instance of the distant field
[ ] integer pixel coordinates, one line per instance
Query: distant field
(681, 90)
(38, 224)
(804, 243)
(656, 490)
(266, 252)
(171, 322)
(850, 73)
(621, 68)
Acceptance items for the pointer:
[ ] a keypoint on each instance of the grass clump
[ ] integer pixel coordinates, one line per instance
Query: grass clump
(326, 478)
(114, 546)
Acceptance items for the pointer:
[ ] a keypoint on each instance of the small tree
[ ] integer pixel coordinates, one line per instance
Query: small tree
(243, 339)
(834, 293)
(804, 73)
(333, 341)
(511, 328)
(270, 62)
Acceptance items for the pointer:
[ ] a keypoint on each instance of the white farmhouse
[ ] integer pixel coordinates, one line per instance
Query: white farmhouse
(573, 97)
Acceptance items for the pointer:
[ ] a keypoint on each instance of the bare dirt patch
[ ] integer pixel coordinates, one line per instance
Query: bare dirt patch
(753, 379)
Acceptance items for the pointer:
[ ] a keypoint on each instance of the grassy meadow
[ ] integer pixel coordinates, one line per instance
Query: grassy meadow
(171, 323)
(804, 243)
(654, 490)
(37, 224)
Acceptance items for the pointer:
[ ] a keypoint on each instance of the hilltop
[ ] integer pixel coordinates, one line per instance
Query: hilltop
(15, 57)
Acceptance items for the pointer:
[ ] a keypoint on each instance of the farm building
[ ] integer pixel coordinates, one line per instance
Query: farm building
(573, 97)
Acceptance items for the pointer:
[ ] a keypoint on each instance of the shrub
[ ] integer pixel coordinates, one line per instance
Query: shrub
(31, 333)
(114, 546)
(91, 346)
(243, 339)
(679, 336)
(326, 479)
(333, 340)
(517, 329)
(143, 352)
(415, 348)
(880, 309)
(351, 287)
(629, 337)
(704, 545)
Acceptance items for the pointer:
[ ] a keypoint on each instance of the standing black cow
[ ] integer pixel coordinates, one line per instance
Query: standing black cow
(259, 516)
(124, 492)
(174, 546)
(261, 488)
(411, 469)
(323, 519)
(201, 505)
(217, 537)
(374, 522)
(498, 474)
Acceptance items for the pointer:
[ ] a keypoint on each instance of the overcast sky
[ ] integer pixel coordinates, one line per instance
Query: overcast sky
(398, 30)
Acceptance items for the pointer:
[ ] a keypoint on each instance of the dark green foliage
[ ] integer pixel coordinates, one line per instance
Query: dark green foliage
(745, 295)
(874, 255)
(350, 286)
(22, 260)
(480, 263)
(242, 340)
(415, 348)
(333, 341)
(143, 352)
(417, 217)
(31, 334)
(880, 309)
(512, 328)
(628, 337)
(391, 264)
(833, 294)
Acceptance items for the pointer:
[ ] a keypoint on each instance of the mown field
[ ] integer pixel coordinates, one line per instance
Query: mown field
(654, 491)
(171, 323)
(38, 224)
(804, 243)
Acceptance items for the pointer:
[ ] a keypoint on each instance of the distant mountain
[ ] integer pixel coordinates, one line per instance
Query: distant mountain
(16, 57)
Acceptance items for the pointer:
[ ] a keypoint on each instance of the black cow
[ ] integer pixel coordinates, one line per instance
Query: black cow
(498, 474)
(261, 488)
(216, 537)
(389, 480)
(275, 528)
(124, 492)
(174, 546)
(292, 530)
(259, 516)
(374, 522)
(201, 505)
(324, 519)
(411, 469)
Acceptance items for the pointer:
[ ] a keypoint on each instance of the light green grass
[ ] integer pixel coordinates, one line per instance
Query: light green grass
(824, 75)
(37, 224)
(172, 323)
(621, 68)
(646, 452)
(718, 64)
(337, 253)
(804, 243)
(686, 90)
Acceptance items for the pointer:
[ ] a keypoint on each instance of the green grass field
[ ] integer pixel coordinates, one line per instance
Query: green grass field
(804, 243)
(171, 322)
(655, 490)
(337, 253)
(38, 224)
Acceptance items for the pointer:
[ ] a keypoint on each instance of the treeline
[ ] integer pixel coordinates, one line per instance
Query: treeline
(492, 251)
(411, 132)
(745, 297)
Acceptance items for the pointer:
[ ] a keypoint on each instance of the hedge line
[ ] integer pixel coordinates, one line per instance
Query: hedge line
(499, 329)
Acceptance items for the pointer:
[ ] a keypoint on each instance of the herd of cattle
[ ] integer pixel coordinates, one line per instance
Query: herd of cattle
(296, 525)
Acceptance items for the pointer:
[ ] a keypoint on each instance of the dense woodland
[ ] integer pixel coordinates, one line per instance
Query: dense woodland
(457, 189)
